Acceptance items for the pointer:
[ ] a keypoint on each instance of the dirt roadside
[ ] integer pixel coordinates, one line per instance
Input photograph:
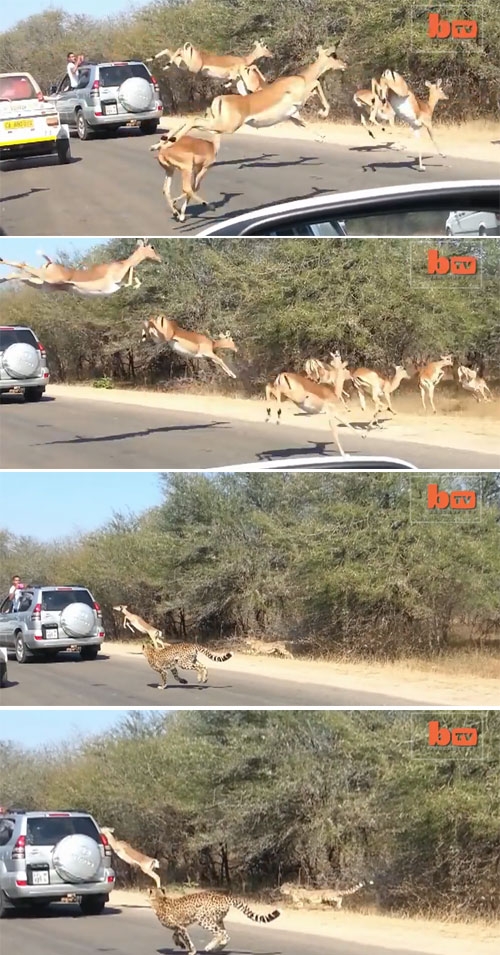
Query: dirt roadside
(420, 687)
(434, 938)
(476, 140)
(462, 432)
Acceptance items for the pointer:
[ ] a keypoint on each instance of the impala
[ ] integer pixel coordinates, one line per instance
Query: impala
(430, 375)
(311, 397)
(134, 623)
(211, 64)
(471, 380)
(417, 113)
(104, 279)
(277, 102)
(193, 158)
(378, 388)
(375, 107)
(132, 856)
(247, 79)
(188, 344)
(317, 371)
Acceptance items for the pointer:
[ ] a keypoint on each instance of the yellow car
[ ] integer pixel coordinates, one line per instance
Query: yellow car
(29, 125)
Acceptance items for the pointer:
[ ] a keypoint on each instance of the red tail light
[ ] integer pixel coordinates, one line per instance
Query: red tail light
(19, 850)
(154, 80)
(41, 349)
(105, 843)
(97, 607)
(96, 84)
(37, 612)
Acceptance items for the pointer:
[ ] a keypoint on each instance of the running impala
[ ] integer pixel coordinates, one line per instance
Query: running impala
(277, 102)
(104, 279)
(374, 106)
(472, 381)
(429, 377)
(211, 64)
(377, 387)
(193, 158)
(189, 344)
(311, 397)
(417, 113)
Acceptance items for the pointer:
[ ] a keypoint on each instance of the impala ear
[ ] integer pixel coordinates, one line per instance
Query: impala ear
(439, 82)
(227, 334)
(427, 83)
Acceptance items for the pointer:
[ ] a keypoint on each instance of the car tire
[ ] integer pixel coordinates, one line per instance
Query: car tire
(92, 904)
(22, 652)
(3, 905)
(3, 673)
(63, 149)
(33, 394)
(149, 126)
(449, 233)
(84, 131)
(89, 653)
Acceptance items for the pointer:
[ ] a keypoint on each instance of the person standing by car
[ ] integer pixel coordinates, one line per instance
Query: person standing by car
(15, 593)
(73, 64)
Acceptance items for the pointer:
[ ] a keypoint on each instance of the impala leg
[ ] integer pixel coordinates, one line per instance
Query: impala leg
(32, 279)
(418, 136)
(434, 143)
(222, 364)
(317, 88)
(422, 395)
(365, 124)
(431, 398)
(167, 185)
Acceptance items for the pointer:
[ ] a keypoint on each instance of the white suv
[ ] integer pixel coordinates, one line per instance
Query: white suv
(29, 125)
(23, 362)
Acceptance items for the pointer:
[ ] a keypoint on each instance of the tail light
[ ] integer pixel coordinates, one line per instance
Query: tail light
(37, 613)
(155, 84)
(96, 85)
(42, 351)
(105, 843)
(19, 850)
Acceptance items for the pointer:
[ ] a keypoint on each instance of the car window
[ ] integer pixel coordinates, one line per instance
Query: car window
(10, 336)
(117, 74)
(16, 87)
(59, 599)
(431, 221)
(25, 603)
(5, 605)
(64, 84)
(49, 830)
(83, 78)
(6, 830)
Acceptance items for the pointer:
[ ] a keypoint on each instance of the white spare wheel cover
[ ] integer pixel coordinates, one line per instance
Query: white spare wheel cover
(78, 620)
(77, 858)
(136, 94)
(21, 360)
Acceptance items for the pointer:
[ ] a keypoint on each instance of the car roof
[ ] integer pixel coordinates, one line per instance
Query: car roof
(22, 73)
(325, 200)
(308, 462)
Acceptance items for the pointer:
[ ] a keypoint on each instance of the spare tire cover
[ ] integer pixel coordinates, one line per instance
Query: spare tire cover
(21, 360)
(136, 94)
(77, 858)
(78, 620)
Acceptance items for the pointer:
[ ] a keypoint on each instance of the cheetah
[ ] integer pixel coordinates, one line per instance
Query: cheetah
(299, 895)
(207, 909)
(184, 655)
(278, 648)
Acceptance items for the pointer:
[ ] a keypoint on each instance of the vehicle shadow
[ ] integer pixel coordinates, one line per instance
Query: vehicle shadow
(8, 683)
(36, 162)
(19, 399)
(135, 434)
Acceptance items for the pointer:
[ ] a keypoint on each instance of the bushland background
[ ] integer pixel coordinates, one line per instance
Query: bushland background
(251, 799)
(282, 302)
(373, 36)
(342, 566)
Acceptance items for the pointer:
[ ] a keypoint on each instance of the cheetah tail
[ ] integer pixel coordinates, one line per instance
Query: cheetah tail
(217, 657)
(243, 907)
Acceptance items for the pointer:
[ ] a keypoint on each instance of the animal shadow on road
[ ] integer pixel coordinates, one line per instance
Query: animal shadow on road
(135, 434)
(302, 161)
(199, 213)
(228, 951)
(23, 195)
(409, 164)
(192, 686)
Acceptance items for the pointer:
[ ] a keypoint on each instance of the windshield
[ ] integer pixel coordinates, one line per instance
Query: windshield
(10, 336)
(48, 831)
(16, 87)
(59, 599)
(116, 75)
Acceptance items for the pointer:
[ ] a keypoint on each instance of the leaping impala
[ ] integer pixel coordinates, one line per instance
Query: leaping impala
(375, 107)
(193, 158)
(137, 624)
(377, 387)
(247, 79)
(188, 344)
(103, 279)
(429, 377)
(277, 102)
(472, 381)
(132, 856)
(213, 65)
(416, 112)
(311, 397)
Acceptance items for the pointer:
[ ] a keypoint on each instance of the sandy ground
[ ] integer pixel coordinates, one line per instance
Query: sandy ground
(478, 433)
(406, 681)
(435, 938)
(477, 140)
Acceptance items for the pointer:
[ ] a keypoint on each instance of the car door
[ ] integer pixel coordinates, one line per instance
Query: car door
(64, 99)
(6, 623)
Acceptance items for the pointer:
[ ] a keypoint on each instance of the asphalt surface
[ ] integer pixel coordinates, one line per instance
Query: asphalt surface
(89, 434)
(61, 931)
(114, 186)
(121, 681)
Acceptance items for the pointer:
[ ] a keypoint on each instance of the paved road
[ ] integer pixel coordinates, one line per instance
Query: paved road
(118, 681)
(69, 433)
(60, 931)
(114, 186)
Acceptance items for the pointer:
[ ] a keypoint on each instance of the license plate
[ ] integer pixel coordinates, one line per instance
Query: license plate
(110, 109)
(40, 878)
(51, 634)
(19, 124)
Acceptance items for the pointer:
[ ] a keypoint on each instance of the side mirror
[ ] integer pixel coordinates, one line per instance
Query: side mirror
(53, 89)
